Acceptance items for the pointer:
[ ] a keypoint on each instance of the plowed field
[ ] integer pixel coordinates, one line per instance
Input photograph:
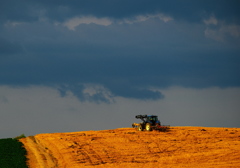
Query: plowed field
(126, 147)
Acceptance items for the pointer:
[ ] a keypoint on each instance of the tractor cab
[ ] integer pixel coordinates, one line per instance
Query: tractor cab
(152, 119)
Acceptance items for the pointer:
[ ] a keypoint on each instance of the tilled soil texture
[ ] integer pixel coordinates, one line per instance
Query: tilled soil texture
(126, 147)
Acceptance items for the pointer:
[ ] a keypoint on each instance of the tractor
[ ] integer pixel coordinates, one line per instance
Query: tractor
(150, 122)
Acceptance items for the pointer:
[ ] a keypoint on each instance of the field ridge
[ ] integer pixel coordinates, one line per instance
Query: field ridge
(126, 147)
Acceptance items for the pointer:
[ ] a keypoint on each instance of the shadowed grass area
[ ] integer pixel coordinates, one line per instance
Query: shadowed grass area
(12, 154)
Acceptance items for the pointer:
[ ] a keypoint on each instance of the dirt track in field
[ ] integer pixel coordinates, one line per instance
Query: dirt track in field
(126, 147)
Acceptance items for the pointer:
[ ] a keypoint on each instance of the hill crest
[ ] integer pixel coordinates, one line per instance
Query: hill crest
(126, 147)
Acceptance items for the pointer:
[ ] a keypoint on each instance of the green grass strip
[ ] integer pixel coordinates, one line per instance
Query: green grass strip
(12, 154)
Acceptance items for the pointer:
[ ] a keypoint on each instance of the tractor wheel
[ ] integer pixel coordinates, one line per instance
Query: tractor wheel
(140, 128)
(148, 127)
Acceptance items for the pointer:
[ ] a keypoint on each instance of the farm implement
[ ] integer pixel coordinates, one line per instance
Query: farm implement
(149, 123)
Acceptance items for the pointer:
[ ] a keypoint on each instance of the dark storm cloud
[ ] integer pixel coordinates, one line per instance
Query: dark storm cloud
(37, 48)
(7, 47)
(61, 10)
(18, 11)
(126, 77)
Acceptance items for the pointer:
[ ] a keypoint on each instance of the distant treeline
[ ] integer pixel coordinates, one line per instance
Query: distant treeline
(12, 154)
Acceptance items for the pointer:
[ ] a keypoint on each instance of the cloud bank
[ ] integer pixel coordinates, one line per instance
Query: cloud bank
(33, 110)
(87, 59)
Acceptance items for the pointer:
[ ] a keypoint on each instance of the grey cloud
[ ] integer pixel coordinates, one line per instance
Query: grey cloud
(109, 93)
(129, 77)
(125, 58)
(21, 11)
(193, 11)
(136, 93)
(128, 58)
(37, 107)
(8, 48)
(97, 95)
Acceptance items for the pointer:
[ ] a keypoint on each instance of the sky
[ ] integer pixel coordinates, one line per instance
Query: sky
(91, 65)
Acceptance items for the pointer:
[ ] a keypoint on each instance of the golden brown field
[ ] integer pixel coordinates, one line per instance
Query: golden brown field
(126, 147)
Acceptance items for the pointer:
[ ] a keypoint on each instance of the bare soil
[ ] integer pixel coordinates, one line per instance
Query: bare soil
(126, 147)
